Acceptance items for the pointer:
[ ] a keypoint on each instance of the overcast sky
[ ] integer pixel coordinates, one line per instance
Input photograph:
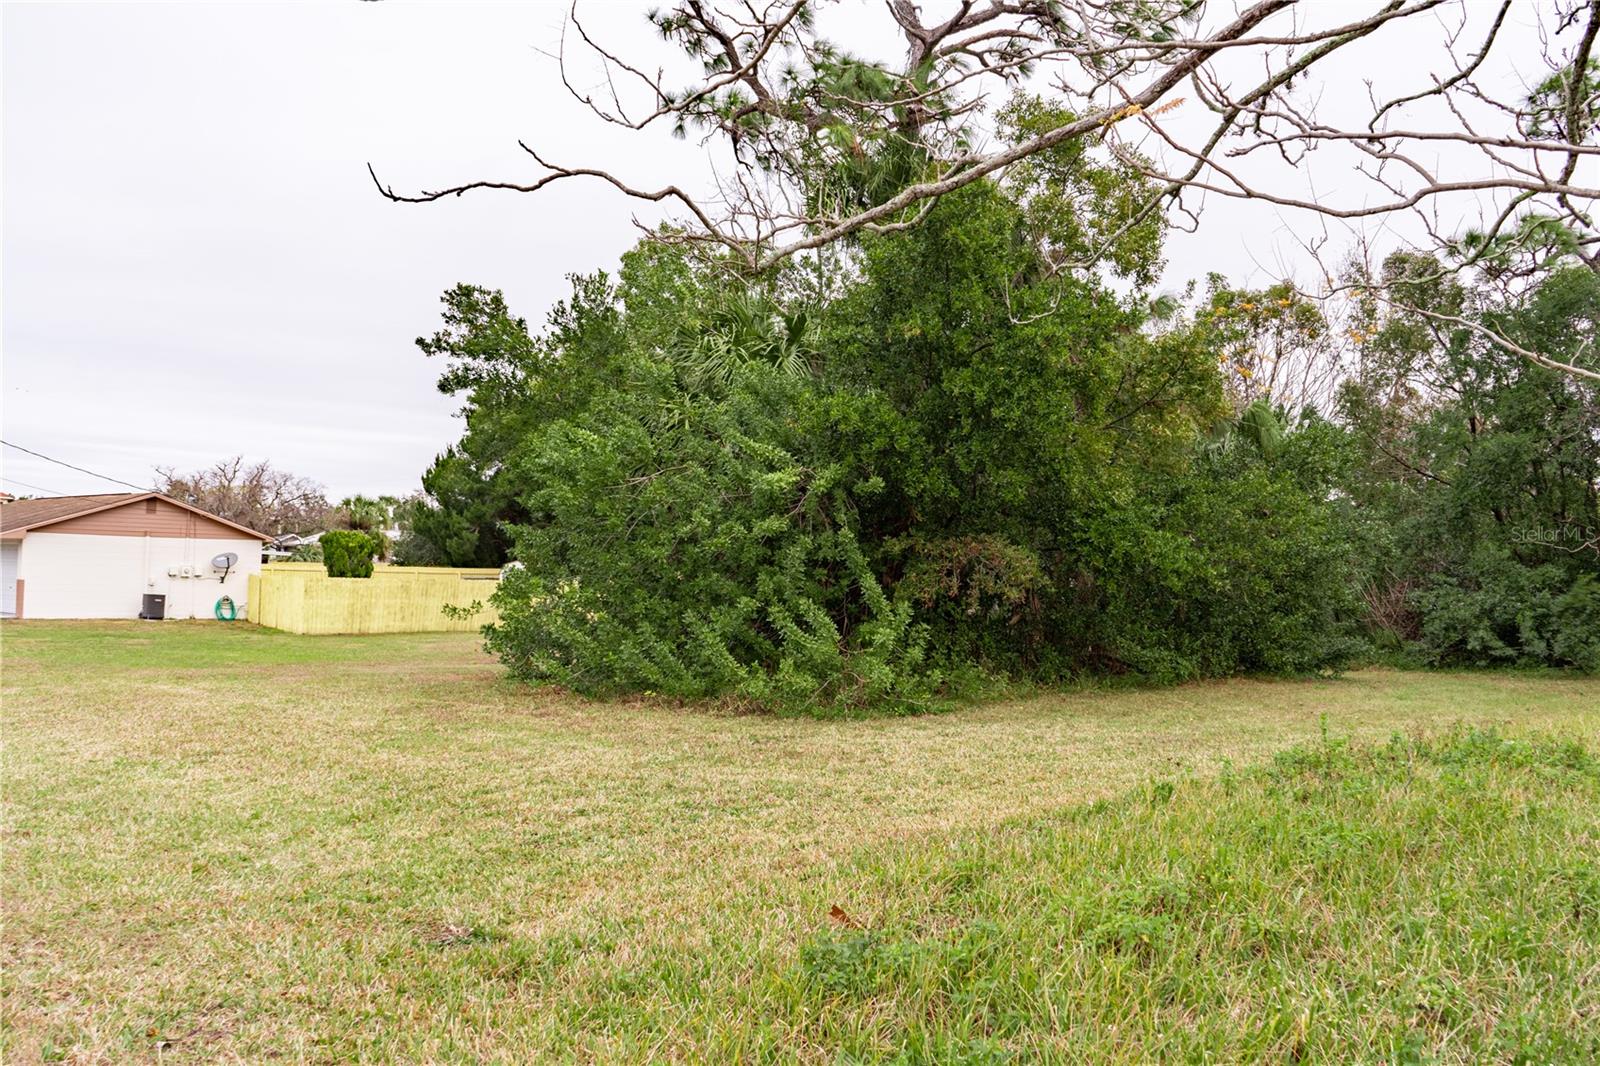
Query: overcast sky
(196, 264)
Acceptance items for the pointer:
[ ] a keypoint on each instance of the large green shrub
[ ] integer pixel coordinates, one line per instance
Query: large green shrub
(1232, 568)
(1496, 611)
(1576, 627)
(699, 545)
(1051, 506)
(348, 552)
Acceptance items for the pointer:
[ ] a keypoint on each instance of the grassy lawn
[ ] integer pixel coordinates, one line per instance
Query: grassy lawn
(223, 843)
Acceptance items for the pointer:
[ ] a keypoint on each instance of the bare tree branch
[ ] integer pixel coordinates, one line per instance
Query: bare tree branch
(814, 146)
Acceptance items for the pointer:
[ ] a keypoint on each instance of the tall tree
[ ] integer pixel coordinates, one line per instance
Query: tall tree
(816, 145)
(508, 381)
(374, 516)
(256, 495)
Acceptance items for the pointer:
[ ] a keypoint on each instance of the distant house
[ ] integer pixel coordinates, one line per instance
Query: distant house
(101, 556)
(284, 545)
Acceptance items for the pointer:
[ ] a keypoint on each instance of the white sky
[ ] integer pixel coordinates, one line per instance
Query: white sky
(195, 263)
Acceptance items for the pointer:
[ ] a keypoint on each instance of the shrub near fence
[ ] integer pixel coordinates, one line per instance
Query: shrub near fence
(302, 598)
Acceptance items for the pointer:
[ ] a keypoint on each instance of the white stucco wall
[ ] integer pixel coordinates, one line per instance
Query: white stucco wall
(78, 575)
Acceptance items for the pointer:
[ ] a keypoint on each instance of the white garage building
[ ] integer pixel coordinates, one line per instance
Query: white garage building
(101, 556)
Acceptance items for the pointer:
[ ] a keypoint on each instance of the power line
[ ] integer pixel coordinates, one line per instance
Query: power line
(79, 469)
(41, 488)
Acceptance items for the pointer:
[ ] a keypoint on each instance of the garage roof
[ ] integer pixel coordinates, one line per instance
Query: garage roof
(19, 516)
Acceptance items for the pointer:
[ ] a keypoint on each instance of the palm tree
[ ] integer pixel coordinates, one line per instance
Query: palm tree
(370, 515)
(743, 329)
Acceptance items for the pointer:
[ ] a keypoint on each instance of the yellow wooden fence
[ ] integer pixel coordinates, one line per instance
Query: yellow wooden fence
(302, 598)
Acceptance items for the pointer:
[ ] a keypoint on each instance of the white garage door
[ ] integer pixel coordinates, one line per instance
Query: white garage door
(8, 578)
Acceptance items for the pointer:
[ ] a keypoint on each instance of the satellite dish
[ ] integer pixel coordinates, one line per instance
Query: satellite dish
(223, 562)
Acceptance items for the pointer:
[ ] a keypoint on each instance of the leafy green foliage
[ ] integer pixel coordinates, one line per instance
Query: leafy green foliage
(511, 382)
(1576, 638)
(1567, 107)
(963, 460)
(949, 455)
(737, 330)
(411, 548)
(1242, 564)
(370, 515)
(1272, 346)
(711, 554)
(1080, 206)
(348, 552)
(1046, 506)
(1486, 482)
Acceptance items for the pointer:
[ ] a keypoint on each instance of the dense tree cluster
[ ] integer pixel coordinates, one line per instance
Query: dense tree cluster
(896, 408)
(871, 477)
(1476, 474)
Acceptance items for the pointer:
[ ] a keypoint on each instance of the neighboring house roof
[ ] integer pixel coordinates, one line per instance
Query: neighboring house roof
(23, 514)
(19, 516)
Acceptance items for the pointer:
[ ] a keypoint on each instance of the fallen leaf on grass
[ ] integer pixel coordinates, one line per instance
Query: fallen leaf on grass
(838, 915)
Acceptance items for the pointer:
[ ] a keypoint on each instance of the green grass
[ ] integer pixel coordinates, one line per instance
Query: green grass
(228, 844)
(1410, 902)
